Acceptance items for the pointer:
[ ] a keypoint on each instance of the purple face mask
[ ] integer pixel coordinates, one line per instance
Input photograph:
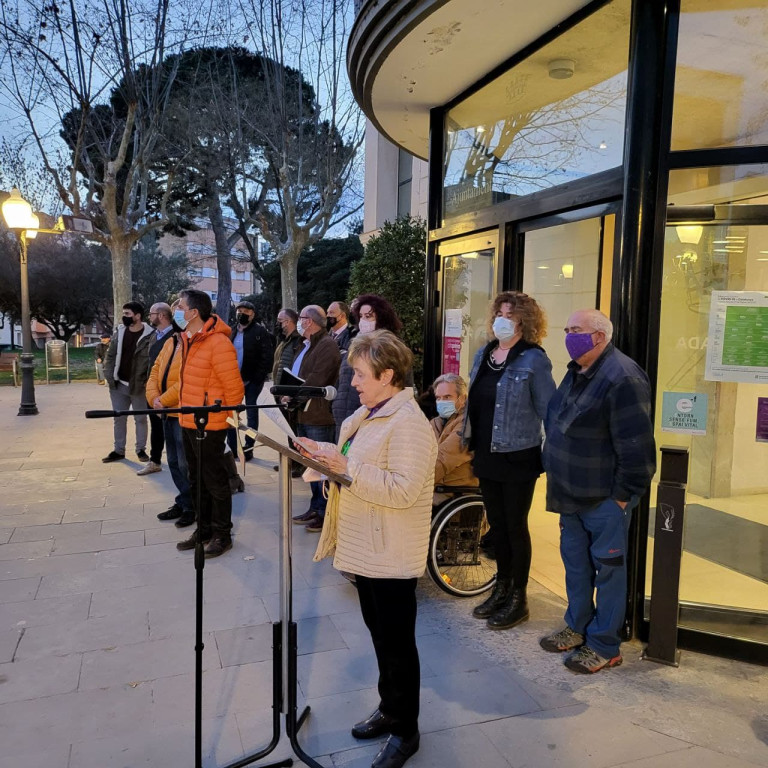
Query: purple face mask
(578, 344)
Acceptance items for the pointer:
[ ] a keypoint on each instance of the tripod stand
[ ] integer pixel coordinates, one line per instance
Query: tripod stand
(284, 632)
(200, 415)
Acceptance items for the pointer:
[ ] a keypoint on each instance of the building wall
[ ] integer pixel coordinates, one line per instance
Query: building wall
(385, 178)
(200, 248)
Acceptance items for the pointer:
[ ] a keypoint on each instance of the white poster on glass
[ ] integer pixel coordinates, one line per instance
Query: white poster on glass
(738, 337)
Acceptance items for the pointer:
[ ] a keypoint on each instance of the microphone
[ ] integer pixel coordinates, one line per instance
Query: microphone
(327, 393)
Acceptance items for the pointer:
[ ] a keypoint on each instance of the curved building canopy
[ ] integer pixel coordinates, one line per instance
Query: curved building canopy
(406, 57)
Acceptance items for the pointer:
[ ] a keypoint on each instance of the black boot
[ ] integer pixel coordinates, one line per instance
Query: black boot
(514, 612)
(499, 596)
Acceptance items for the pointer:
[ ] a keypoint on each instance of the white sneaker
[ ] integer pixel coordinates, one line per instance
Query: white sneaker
(150, 468)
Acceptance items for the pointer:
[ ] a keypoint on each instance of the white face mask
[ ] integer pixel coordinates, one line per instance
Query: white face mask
(366, 326)
(504, 328)
(300, 327)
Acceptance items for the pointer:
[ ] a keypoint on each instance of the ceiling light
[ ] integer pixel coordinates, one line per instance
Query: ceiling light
(691, 234)
(602, 145)
(561, 69)
(567, 271)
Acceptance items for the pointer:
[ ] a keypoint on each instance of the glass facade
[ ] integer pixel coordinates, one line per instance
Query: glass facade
(558, 116)
(721, 98)
(713, 358)
(468, 269)
(555, 117)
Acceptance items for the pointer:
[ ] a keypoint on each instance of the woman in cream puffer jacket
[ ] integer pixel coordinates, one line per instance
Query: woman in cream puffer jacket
(378, 527)
(383, 518)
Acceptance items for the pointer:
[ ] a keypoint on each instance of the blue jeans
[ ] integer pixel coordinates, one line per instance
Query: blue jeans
(593, 545)
(322, 434)
(177, 462)
(252, 392)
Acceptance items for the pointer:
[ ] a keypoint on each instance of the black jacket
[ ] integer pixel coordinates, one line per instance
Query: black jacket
(257, 352)
(344, 339)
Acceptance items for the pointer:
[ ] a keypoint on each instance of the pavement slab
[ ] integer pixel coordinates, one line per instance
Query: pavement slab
(97, 636)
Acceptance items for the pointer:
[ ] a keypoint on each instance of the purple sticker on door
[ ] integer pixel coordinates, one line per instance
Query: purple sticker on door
(761, 433)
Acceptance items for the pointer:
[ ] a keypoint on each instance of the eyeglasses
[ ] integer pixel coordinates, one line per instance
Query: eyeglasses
(304, 317)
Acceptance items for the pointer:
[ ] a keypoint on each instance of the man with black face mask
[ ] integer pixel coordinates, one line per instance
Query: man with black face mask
(254, 356)
(338, 325)
(126, 370)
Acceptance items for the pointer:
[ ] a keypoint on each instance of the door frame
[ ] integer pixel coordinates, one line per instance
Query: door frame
(697, 639)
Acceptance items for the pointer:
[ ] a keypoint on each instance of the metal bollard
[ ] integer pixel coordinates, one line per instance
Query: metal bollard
(667, 554)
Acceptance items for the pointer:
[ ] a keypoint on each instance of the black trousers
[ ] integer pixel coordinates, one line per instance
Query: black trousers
(215, 513)
(389, 612)
(506, 506)
(156, 438)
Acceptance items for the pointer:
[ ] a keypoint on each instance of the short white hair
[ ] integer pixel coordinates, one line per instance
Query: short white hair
(600, 322)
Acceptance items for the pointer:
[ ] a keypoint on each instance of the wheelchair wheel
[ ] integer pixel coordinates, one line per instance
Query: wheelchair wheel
(455, 562)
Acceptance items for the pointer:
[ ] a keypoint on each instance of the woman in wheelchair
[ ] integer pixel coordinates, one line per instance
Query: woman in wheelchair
(510, 386)
(454, 460)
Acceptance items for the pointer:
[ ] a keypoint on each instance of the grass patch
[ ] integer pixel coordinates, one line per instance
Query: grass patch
(81, 367)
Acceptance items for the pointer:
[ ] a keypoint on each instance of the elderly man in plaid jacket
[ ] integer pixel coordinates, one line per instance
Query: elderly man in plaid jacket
(600, 456)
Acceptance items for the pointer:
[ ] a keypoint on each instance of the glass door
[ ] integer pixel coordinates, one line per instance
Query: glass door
(467, 267)
(567, 264)
(713, 355)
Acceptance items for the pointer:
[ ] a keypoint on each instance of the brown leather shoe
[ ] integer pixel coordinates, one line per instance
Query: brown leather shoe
(218, 546)
(191, 542)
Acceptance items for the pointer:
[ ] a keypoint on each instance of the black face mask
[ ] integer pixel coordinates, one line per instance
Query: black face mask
(242, 319)
(127, 321)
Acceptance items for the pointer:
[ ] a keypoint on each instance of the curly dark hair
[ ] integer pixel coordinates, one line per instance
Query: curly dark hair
(532, 318)
(386, 317)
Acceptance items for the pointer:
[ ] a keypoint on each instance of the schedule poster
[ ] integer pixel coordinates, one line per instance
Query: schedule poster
(738, 337)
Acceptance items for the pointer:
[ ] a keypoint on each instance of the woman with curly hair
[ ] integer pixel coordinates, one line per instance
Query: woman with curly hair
(370, 313)
(510, 386)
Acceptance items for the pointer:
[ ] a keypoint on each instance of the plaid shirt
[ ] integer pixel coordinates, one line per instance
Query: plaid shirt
(599, 441)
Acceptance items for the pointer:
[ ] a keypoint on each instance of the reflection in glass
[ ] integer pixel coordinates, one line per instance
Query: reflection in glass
(555, 117)
(562, 271)
(722, 68)
(725, 562)
(467, 286)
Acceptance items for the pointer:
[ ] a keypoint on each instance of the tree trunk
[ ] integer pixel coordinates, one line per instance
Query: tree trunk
(122, 283)
(223, 256)
(289, 278)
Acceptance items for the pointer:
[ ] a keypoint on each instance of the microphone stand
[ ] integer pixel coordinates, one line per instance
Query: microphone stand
(200, 415)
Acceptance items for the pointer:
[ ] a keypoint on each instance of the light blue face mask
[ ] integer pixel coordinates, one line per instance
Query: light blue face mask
(178, 318)
(445, 408)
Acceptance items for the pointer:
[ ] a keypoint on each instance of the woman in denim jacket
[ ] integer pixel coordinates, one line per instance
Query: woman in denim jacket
(510, 386)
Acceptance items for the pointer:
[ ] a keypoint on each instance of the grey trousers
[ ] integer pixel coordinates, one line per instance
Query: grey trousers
(122, 400)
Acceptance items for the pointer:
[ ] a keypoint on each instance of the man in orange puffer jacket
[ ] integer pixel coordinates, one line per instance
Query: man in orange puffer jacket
(209, 372)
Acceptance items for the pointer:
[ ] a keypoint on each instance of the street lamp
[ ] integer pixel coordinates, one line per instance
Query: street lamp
(18, 216)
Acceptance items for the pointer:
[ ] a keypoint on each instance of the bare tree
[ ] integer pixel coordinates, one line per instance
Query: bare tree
(523, 150)
(301, 181)
(63, 66)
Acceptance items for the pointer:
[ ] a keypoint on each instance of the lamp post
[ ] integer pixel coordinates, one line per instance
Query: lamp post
(18, 216)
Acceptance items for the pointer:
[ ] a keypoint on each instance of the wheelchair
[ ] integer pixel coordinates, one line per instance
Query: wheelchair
(456, 562)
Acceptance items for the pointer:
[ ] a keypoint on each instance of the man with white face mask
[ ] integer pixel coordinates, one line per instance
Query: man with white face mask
(600, 457)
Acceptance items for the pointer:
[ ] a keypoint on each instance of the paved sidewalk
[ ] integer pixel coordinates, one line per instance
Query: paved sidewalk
(97, 638)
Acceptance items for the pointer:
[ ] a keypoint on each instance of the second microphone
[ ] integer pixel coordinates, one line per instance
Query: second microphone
(327, 393)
